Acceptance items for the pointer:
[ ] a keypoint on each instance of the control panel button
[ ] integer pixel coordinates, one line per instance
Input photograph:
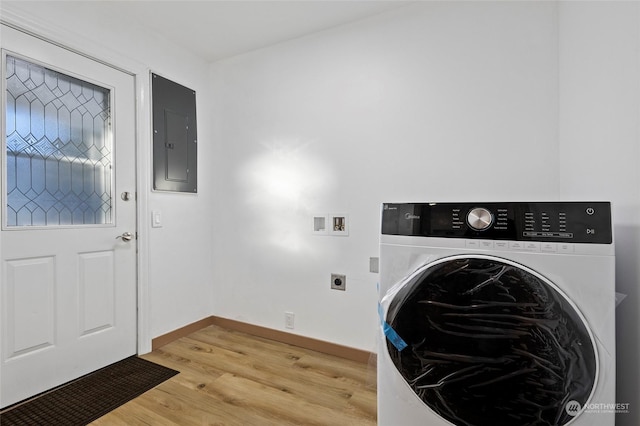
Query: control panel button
(472, 244)
(532, 246)
(479, 218)
(549, 247)
(565, 248)
(501, 245)
(590, 211)
(516, 245)
(486, 244)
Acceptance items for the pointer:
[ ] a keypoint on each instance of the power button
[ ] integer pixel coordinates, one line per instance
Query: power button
(590, 211)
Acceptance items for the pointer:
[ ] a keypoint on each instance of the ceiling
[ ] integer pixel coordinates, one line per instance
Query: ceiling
(217, 29)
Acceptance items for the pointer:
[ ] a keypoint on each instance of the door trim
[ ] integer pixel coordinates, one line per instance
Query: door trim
(62, 37)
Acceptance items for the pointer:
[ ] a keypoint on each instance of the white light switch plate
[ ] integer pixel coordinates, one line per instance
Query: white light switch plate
(156, 219)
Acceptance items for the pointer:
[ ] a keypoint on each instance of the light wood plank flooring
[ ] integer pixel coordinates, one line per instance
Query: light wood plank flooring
(231, 378)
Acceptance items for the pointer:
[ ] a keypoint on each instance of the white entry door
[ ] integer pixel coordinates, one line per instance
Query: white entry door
(68, 238)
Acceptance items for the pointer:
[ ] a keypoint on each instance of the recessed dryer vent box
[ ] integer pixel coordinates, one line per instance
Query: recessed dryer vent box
(175, 136)
(320, 224)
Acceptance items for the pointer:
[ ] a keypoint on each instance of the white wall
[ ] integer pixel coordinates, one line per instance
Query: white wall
(600, 150)
(434, 102)
(179, 253)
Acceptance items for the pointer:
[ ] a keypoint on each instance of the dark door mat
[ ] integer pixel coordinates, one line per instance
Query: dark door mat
(84, 400)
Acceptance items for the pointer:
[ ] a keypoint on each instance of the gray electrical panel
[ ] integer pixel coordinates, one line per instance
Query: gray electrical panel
(175, 137)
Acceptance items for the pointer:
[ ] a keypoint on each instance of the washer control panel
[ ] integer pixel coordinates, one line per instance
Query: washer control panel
(570, 222)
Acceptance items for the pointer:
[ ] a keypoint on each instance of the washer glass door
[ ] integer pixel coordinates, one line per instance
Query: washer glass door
(492, 342)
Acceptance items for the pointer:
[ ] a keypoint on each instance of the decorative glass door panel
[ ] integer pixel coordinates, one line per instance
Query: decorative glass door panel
(58, 148)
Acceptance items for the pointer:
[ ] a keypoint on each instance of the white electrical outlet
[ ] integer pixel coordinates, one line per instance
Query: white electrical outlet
(289, 319)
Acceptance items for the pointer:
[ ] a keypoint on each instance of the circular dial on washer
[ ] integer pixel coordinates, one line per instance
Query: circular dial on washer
(479, 218)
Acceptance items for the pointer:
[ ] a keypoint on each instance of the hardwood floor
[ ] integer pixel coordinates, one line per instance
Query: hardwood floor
(231, 378)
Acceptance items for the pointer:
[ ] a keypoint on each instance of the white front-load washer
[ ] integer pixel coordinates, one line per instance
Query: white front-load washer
(497, 314)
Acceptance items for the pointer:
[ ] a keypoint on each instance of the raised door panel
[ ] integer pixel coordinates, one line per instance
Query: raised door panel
(97, 292)
(29, 311)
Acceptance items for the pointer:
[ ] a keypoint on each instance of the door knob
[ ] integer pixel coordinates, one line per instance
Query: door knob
(126, 236)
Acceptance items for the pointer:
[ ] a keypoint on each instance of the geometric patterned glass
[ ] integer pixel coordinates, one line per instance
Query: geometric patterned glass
(59, 148)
